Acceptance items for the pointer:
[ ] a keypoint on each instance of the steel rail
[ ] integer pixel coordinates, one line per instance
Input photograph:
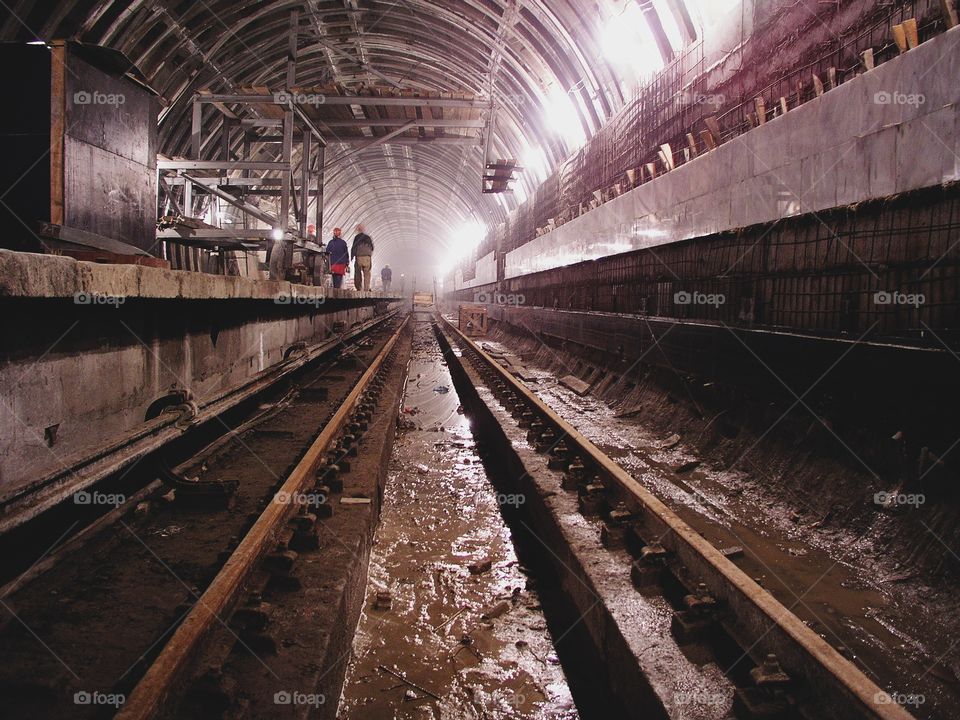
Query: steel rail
(82, 472)
(758, 616)
(158, 685)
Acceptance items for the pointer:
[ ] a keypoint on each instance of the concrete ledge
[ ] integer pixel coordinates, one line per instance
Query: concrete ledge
(31, 275)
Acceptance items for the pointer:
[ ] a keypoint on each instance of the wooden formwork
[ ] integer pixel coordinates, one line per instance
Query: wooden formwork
(473, 320)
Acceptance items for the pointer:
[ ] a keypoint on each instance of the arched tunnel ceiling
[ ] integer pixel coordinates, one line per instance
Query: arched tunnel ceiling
(413, 199)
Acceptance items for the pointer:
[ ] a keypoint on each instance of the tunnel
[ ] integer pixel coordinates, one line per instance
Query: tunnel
(480, 359)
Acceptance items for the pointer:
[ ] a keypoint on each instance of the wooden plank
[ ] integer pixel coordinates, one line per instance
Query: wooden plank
(913, 36)
(572, 382)
(900, 38)
(58, 100)
(713, 126)
(817, 85)
(667, 156)
(949, 10)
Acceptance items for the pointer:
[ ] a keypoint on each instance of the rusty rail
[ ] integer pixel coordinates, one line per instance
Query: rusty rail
(159, 684)
(759, 618)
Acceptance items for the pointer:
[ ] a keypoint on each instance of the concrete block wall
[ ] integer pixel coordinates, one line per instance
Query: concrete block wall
(891, 130)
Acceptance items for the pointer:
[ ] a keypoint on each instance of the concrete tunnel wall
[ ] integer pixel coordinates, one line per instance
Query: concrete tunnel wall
(841, 148)
(90, 371)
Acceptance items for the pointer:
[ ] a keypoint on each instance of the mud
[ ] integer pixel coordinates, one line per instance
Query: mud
(465, 635)
(85, 632)
(879, 613)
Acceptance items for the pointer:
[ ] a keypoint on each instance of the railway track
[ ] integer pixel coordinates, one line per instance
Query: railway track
(118, 630)
(138, 625)
(781, 668)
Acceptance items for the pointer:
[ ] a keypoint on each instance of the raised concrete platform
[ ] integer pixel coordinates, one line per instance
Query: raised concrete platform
(30, 275)
(90, 350)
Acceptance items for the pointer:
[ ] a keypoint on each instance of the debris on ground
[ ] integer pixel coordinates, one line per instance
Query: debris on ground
(478, 568)
(572, 382)
(495, 611)
(442, 389)
(384, 600)
(670, 442)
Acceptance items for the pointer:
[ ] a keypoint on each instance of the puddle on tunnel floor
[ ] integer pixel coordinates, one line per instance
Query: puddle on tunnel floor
(441, 518)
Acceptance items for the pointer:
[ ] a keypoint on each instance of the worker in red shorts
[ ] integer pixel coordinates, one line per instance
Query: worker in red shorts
(339, 257)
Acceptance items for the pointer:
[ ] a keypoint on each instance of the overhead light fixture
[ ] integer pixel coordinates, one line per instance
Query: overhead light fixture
(463, 241)
(277, 234)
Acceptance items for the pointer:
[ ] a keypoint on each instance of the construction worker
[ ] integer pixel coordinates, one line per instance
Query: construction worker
(339, 257)
(386, 275)
(362, 254)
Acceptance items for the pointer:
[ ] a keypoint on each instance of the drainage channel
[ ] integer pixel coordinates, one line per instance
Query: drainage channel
(461, 617)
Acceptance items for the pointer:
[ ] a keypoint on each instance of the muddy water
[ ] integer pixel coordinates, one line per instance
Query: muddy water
(460, 639)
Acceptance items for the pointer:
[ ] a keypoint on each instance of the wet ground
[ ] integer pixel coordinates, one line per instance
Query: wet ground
(464, 635)
(831, 580)
(86, 631)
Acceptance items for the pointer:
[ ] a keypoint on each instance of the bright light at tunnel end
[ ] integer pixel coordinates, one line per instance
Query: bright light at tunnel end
(461, 243)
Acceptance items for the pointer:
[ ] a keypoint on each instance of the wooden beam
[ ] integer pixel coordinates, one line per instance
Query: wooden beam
(396, 122)
(353, 100)
(237, 203)
(58, 110)
(219, 165)
(949, 10)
